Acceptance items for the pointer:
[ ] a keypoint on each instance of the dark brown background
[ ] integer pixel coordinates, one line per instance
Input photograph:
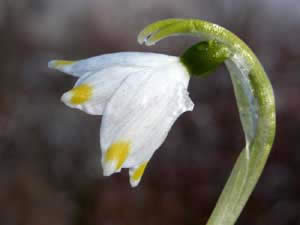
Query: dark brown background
(49, 155)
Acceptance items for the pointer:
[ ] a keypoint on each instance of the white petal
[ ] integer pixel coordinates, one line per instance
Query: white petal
(81, 67)
(102, 85)
(143, 109)
(109, 168)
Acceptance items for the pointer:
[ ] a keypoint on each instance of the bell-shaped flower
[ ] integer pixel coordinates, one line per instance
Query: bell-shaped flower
(140, 96)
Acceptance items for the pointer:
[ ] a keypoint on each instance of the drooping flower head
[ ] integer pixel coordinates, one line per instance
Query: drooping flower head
(140, 95)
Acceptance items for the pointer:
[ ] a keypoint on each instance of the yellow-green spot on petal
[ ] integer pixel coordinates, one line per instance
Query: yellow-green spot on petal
(62, 63)
(138, 173)
(81, 94)
(118, 152)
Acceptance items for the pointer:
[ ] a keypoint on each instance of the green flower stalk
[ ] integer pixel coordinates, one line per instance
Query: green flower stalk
(253, 93)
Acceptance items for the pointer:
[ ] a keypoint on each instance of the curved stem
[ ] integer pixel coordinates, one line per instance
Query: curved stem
(256, 106)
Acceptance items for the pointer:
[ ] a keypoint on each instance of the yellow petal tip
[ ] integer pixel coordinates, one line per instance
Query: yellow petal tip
(115, 156)
(136, 174)
(59, 63)
(80, 94)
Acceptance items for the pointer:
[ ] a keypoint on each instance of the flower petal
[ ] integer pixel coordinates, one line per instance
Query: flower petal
(81, 67)
(115, 157)
(136, 174)
(92, 91)
(143, 110)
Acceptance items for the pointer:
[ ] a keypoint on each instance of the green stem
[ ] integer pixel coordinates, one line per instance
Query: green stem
(256, 106)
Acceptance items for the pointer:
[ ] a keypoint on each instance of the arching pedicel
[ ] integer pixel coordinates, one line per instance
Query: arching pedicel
(255, 101)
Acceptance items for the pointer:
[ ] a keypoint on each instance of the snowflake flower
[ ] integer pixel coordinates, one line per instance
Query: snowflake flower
(140, 96)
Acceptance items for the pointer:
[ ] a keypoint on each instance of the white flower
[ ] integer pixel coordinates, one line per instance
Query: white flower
(140, 96)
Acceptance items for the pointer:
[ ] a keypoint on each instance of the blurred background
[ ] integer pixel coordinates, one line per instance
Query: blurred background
(50, 170)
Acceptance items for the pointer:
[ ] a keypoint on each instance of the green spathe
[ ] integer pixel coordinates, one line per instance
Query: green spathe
(205, 57)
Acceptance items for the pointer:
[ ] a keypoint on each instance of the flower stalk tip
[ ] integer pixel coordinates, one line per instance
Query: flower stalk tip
(205, 57)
